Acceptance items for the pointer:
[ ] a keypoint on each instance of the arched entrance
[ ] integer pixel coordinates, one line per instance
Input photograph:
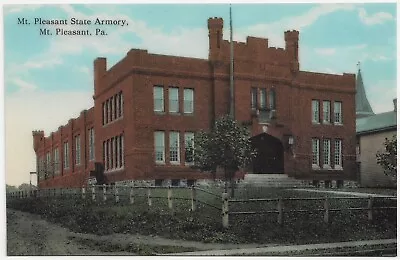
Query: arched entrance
(270, 156)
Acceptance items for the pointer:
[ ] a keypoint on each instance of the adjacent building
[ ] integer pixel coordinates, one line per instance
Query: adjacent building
(148, 107)
(372, 130)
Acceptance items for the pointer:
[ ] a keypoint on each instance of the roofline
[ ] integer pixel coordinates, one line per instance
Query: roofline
(384, 129)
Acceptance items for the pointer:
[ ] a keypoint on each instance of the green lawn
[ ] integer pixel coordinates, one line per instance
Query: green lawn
(205, 223)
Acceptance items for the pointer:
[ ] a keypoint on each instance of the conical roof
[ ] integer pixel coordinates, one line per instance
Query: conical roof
(363, 108)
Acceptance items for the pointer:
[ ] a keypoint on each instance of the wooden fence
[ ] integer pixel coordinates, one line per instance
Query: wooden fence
(221, 203)
(97, 193)
(280, 210)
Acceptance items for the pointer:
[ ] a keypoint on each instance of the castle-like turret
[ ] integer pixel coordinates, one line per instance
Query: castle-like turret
(38, 136)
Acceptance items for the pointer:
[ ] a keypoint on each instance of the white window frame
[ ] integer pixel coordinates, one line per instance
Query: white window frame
(326, 153)
(253, 97)
(338, 113)
(66, 155)
(326, 108)
(188, 92)
(56, 160)
(159, 146)
(156, 89)
(189, 142)
(315, 153)
(91, 144)
(338, 154)
(78, 150)
(263, 98)
(315, 111)
(121, 107)
(122, 151)
(173, 94)
(174, 147)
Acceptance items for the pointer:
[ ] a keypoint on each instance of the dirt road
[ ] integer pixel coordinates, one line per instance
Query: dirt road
(29, 234)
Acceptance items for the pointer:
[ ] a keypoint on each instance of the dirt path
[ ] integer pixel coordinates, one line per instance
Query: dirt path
(29, 234)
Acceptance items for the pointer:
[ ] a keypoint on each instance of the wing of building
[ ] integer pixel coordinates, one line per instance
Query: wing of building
(147, 108)
(371, 133)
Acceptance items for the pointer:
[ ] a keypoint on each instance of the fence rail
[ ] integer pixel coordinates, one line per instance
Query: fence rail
(198, 196)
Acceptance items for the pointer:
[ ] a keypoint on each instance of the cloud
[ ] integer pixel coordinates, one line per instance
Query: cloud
(23, 85)
(381, 94)
(38, 110)
(325, 51)
(376, 18)
(42, 63)
(9, 9)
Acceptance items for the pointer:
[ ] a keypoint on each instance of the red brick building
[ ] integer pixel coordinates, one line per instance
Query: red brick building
(148, 106)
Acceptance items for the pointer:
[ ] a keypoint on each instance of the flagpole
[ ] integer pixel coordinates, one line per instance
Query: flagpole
(232, 96)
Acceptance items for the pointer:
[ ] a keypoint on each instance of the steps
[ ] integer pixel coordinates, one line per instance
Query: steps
(273, 180)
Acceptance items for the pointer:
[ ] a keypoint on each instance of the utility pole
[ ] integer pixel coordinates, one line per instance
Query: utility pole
(231, 89)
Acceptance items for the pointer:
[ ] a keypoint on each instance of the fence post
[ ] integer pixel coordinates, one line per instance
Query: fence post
(225, 210)
(193, 198)
(104, 192)
(169, 197)
(326, 214)
(370, 204)
(280, 211)
(83, 192)
(149, 197)
(131, 195)
(93, 194)
(116, 195)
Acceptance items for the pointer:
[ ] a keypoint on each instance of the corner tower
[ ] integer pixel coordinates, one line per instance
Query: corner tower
(215, 33)
(292, 47)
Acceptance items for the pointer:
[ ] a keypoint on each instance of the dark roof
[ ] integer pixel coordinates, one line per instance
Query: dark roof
(376, 123)
(363, 108)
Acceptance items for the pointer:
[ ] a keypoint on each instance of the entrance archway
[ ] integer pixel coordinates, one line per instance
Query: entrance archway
(270, 157)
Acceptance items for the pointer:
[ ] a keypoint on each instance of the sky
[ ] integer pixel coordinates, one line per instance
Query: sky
(49, 79)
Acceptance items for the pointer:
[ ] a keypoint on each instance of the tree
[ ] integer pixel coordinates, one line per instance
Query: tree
(226, 146)
(388, 158)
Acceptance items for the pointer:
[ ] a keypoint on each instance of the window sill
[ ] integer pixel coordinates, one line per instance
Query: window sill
(160, 113)
(160, 163)
(315, 167)
(327, 167)
(338, 168)
(338, 124)
(188, 113)
(174, 113)
(112, 122)
(189, 164)
(175, 163)
(326, 123)
(316, 123)
(114, 170)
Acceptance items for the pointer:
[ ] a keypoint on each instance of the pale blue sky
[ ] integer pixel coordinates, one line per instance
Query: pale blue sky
(43, 72)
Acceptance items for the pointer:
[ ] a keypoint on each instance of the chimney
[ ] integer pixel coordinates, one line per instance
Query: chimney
(395, 104)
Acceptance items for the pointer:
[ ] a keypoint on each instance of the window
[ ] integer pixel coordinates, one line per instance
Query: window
(173, 100)
(338, 112)
(253, 98)
(66, 156)
(159, 144)
(108, 111)
(315, 153)
(91, 144)
(174, 147)
(121, 151)
(338, 154)
(272, 99)
(315, 111)
(121, 110)
(263, 98)
(48, 163)
(158, 99)
(188, 101)
(327, 111)
(56, 161)
(105, 155)
(327, 153)
(175, 182)
(189, 145)
(104, 114)
(78, 150)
